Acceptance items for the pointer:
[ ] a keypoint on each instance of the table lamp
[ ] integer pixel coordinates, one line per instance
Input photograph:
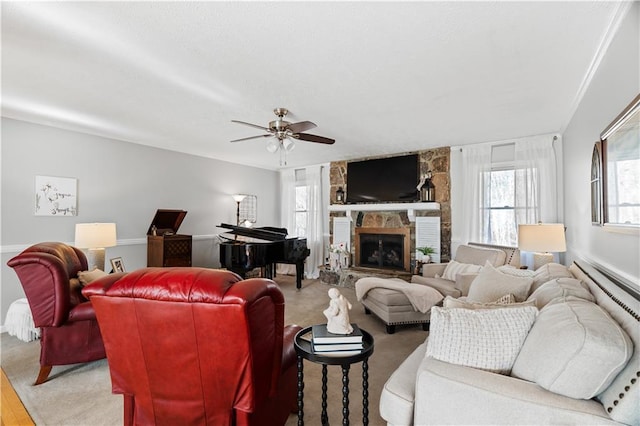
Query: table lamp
(95, 237)
(238, 198)
(542, 239)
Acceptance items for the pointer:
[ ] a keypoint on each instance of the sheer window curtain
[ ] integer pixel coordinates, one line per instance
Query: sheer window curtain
(536, 184)
(315, 217)
(476, 163)
(287, 211)
(315, 222)
(536, 192)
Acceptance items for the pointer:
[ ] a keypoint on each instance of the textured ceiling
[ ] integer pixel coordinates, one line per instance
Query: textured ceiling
(378, 77)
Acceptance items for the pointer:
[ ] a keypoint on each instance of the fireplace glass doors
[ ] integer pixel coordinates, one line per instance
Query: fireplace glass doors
(383, 248)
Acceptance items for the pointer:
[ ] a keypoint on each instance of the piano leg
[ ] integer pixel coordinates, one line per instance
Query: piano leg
(299, 273)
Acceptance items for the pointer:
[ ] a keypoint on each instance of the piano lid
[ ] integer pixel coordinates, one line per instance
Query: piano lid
(260, 234)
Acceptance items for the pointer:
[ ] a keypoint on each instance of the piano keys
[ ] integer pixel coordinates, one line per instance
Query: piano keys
(243, 249)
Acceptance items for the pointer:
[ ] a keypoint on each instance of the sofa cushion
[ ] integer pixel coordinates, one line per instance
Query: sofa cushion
(574, 349)
(488, 339)
(560, 287)
(548, 272)
(490, 284)
(479, 256)
(454, 268)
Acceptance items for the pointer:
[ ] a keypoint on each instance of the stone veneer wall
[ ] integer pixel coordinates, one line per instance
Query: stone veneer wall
(437, 160)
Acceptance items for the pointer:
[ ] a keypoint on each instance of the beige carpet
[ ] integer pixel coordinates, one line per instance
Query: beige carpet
(81, 394)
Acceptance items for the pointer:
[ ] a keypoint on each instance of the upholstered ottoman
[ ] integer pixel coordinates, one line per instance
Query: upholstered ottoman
(389, 300)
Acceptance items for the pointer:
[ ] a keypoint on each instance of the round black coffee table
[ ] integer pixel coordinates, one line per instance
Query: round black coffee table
(304, 349)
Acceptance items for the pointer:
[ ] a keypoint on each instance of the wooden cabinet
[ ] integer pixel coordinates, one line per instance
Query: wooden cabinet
(165, 247)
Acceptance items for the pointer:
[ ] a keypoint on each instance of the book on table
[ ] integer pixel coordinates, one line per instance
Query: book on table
(340, 353)
(320, 335)
(325, 347)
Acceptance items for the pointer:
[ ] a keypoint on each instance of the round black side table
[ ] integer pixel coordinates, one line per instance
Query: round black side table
(304, 349)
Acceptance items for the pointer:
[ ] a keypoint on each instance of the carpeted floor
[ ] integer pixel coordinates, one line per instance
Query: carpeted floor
(81, 394)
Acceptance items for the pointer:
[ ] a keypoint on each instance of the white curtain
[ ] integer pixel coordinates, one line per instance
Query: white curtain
(315, 221)
(536, 185)
(476, 165)
(536, 197)
(315, 216)
(287, 211)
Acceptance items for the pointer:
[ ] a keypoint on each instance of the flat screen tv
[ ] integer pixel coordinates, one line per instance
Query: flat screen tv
(383, 180)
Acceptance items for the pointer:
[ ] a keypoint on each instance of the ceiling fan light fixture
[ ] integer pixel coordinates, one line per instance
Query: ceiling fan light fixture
(273, 145)
(288, 144)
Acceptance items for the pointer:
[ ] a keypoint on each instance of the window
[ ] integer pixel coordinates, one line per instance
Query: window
(596, 185)
(302, 210)
(621, 151)
(505, 186)
(501, 219)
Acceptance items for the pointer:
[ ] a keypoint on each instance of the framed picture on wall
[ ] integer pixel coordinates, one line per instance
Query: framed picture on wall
(56, 196)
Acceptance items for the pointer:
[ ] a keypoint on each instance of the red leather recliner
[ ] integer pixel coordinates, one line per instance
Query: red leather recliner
(69, 330)
(196, 346)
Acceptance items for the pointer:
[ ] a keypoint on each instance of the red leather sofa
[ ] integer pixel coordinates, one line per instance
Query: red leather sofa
(69, 330)
(196, 346)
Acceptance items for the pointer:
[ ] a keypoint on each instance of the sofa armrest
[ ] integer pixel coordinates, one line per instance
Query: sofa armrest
(489, 398)
(432, 269)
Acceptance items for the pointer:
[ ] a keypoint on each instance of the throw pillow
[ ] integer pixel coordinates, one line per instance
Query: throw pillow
(490, 284)
(488, 339)
(452, 303)
(549, 272)
(454, 268)
(574, 349)
(516, 272)
(560, 287)
(86, 277)
(463, 283)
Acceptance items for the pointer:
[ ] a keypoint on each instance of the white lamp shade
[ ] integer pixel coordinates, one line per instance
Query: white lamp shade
(288, 144)
(95, 235)
(273, 145)
(542, 237)
(238, 197)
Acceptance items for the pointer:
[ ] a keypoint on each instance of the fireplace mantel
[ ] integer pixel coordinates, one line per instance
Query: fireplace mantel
(409, 207)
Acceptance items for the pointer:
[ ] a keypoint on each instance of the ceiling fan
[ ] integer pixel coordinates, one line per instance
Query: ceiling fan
(284, 133)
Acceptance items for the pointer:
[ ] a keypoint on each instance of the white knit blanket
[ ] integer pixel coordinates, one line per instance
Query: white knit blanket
(421, 297)
(19, 321)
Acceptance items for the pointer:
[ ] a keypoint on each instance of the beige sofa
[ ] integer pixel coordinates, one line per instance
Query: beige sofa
(394, 308)
(559, 375)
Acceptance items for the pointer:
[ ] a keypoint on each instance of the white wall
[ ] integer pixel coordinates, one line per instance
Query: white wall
(123, 183)
(614, 85)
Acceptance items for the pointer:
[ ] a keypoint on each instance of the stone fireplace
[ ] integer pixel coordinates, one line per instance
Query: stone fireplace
(383, 248)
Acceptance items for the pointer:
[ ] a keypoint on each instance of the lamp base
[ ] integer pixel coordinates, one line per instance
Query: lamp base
(540, 259)
(95, 258)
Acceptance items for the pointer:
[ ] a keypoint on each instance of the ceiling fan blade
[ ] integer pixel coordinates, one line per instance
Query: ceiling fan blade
(301, 126)
(266, 129)
(314, 138)
(252, 137)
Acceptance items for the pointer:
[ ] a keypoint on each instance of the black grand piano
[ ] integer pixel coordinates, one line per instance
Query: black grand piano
(243, 249)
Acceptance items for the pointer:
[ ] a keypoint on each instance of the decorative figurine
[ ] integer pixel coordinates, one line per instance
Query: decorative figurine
(338, 313)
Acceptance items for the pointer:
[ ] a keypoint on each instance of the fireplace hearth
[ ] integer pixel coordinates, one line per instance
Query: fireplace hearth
(383, 248)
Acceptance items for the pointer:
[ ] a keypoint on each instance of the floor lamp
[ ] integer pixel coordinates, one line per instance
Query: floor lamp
(542, 239)
(95, 237)
(238, 198)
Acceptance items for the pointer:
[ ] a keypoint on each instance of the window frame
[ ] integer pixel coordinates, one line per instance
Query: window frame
(627, 114)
